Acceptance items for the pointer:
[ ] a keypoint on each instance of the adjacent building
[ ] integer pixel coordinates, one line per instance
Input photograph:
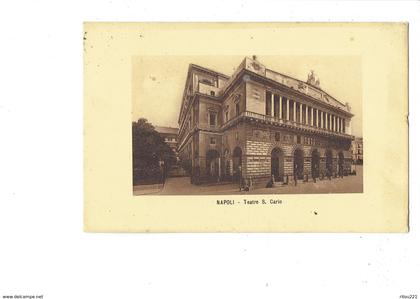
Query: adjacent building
(170, 135)
(357, 150)
(259, 124)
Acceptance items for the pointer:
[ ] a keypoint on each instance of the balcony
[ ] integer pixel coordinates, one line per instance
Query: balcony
(270, 120)
(208, 89)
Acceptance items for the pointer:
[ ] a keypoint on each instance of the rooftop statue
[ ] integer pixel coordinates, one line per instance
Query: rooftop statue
(313, 79)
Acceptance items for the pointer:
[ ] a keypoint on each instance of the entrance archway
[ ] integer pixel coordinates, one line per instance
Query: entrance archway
(237, 163)
(315, 164)
(340, 164)
(277, 164)
(213, 164)
(298, 163)
(329, 162)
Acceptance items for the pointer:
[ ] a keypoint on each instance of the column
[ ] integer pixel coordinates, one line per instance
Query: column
(272, 104)
(322, 119)
(287, 109)
(312, 114)
(294, 111)
(334, 119)
(326, 121)
(281, 106)
(307, 116)
(300, 113)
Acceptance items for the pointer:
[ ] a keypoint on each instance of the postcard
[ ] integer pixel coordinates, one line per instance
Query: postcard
(246, 127)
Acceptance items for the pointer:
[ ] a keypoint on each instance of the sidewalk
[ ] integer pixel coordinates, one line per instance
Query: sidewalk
(182, 186)
(147, 189)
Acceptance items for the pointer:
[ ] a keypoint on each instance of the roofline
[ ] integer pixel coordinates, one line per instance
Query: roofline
(183, 94)
(299, 93)
(318, 88)
(201, 68)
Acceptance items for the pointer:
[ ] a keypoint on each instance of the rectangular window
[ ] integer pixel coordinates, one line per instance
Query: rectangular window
(213, 117)
(304, 114)
(268, 103)
(212, 140)
(237, 109)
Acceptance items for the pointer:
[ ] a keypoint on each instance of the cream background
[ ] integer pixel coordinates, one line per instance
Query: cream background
(109, 204)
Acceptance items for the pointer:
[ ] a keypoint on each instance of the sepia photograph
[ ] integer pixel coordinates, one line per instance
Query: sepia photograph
(211, 125)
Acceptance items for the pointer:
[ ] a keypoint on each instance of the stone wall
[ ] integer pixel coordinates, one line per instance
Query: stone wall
(256, 142)
(261, 141)
(229, 105)
(255, 97)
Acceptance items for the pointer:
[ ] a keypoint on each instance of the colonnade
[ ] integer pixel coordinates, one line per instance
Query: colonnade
(290, 110)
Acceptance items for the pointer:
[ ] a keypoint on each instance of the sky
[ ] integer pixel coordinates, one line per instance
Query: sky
(159, 81)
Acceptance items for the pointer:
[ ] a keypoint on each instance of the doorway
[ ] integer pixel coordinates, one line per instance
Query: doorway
(315, 164)
(237, 163)
(329, 162)
(298, 163)
(277, 164)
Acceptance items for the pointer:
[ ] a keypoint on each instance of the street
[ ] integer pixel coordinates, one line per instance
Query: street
(182, 186)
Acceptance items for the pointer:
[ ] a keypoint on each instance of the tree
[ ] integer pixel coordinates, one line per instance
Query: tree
(148, 149)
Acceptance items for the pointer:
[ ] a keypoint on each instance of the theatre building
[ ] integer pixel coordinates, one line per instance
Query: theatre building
(259, 124)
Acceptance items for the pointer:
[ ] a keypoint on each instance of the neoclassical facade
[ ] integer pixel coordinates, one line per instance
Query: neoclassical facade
(260, 124)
